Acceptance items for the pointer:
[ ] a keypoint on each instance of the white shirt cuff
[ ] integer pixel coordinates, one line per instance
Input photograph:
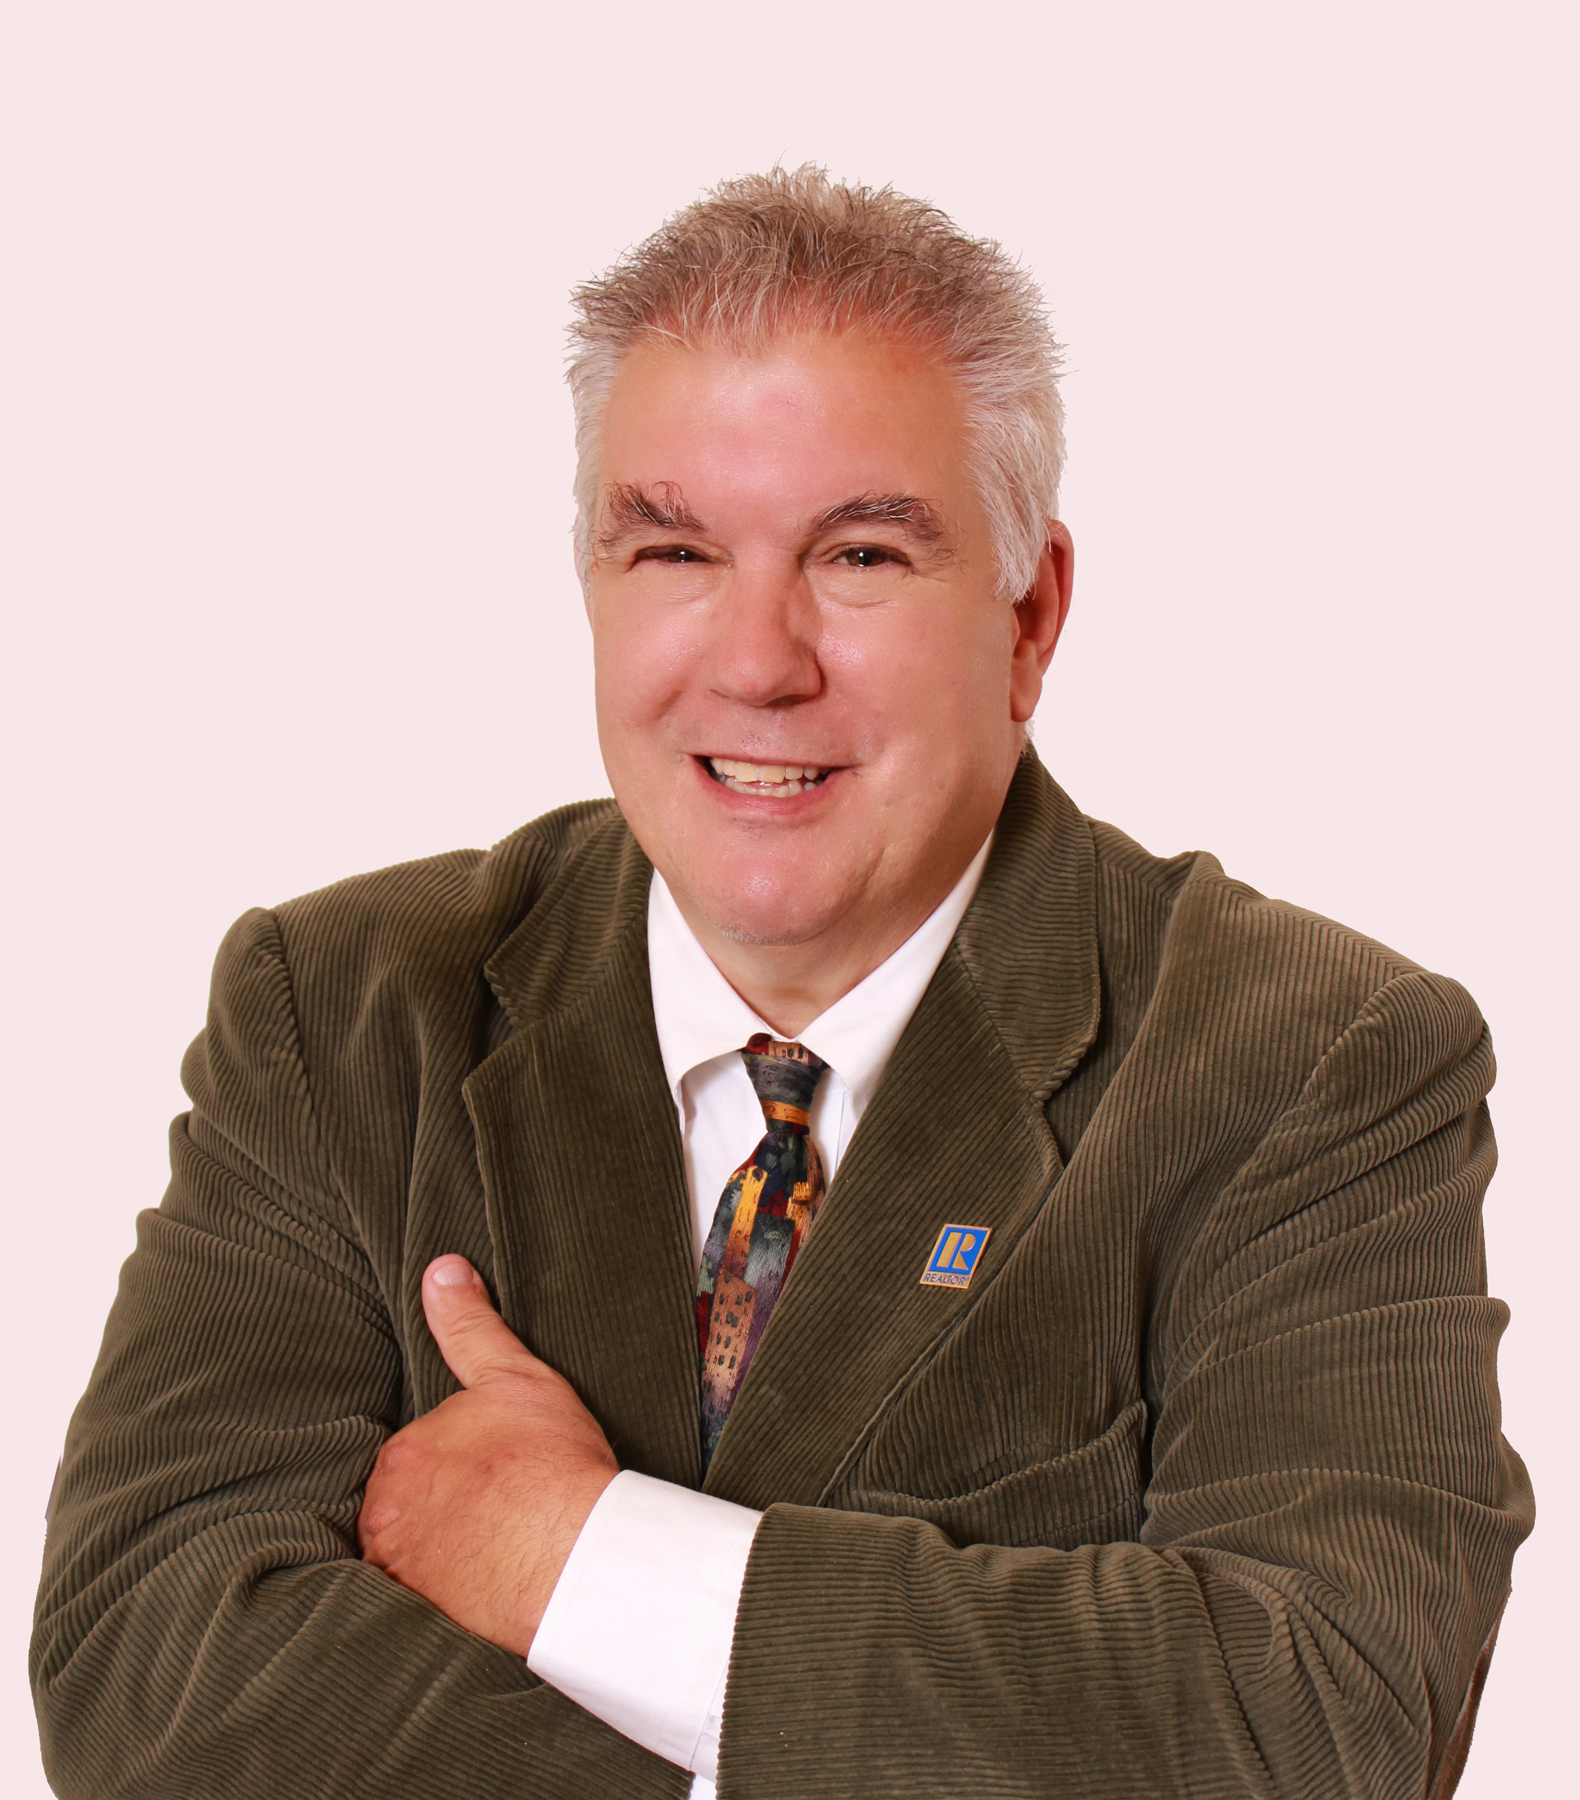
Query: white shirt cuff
(639, 1625)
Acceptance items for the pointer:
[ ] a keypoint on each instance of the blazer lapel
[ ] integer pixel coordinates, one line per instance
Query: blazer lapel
(581, 1160)
(957, 1134)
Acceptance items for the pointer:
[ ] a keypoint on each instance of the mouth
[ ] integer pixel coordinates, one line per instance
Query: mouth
(767, 781)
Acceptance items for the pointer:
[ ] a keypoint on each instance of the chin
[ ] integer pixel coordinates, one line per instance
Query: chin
(764, 928)
(760, 936)
(764, 919)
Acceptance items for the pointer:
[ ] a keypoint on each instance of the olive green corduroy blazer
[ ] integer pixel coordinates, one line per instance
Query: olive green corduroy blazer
(1198, 1489)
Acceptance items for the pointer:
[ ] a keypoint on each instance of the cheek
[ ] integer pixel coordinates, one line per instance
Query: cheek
(927, 674)
(644, 657)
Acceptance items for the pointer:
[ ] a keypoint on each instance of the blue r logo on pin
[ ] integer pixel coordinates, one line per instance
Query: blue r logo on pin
(954, 1256)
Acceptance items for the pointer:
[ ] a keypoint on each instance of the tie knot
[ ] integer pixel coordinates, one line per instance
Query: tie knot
(785, 1077)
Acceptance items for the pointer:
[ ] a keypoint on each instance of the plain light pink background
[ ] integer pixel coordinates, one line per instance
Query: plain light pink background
(284, 506)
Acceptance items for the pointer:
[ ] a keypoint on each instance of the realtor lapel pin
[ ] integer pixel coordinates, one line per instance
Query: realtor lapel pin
(954, 1257)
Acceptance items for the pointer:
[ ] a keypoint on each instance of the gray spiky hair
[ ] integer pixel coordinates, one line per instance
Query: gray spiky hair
(792, 250)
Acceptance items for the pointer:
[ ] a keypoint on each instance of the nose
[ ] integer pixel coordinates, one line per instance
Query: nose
(765, 639)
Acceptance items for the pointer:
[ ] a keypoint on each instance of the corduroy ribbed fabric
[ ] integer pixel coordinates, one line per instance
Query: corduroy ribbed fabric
(1198, 1489)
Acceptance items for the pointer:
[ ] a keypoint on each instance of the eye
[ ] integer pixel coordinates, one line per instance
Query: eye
(669, 553)
(865, 556)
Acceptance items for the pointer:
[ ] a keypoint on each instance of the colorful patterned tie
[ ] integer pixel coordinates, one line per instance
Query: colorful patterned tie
(763, 1217)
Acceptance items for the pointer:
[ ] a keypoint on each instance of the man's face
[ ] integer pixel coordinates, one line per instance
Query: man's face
(809, 694)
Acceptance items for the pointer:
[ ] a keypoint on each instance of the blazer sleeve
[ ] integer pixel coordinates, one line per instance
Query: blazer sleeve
(1331, 1513)
(204, 1626)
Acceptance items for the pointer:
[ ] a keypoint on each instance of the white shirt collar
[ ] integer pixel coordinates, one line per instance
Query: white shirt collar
(700, 1016)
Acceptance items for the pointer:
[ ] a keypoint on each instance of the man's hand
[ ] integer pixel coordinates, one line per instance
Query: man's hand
(476, 1505)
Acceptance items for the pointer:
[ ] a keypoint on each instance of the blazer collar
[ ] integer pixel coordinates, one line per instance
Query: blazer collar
(580, 1154)
(1029, 941)
(587, 930)
(584, 1179)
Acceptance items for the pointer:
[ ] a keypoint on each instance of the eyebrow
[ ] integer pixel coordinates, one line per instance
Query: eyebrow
(920, 517)
(628, 507)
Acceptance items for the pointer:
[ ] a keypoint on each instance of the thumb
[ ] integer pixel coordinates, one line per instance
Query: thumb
(472, 1338)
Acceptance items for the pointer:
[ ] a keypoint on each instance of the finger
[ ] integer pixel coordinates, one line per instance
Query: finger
(371, 1521)
(471, 1336)
(379, 1510)
(379, 1504)
(370, 1526)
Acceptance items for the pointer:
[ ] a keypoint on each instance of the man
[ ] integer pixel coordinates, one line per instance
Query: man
(1059, 1269)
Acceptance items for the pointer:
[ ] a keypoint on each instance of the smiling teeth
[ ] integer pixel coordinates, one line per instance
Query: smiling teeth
(777, 781)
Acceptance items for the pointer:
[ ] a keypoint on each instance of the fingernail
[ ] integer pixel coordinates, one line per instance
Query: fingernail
(451, 1271)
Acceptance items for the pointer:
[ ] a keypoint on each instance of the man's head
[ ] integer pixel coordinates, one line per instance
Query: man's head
(810, 544)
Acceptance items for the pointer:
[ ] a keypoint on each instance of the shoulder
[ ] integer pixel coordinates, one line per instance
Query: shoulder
(1263, 1059)
(1221, 964)
(425, 924)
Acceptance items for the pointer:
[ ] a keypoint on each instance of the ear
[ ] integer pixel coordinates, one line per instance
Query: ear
(583, 581)
(1039, 618)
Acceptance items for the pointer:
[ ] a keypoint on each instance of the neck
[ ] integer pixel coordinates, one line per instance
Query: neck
(789, 985)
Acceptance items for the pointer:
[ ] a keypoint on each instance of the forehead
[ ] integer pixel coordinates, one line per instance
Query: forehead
(801, 416)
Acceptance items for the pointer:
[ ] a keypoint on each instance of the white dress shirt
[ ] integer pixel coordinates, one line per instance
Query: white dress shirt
(639, 1625)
